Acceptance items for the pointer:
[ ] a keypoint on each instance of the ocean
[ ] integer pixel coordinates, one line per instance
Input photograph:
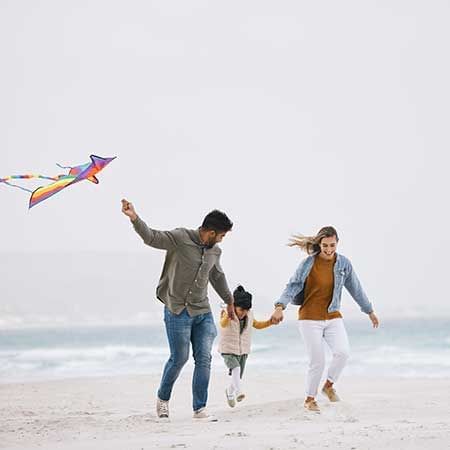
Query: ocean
(399, 348)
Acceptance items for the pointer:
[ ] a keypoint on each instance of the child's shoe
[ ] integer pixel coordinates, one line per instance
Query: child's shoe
(240, 396)
(230, 398)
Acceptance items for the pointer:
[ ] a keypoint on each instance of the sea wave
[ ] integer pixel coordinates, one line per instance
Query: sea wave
(96, 351)
(45, 363)
(88, 353)
(27, 321)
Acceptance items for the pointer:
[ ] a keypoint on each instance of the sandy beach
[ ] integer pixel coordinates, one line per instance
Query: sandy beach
(118, 413)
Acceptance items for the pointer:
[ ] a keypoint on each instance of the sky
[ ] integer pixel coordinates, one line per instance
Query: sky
(287, 115)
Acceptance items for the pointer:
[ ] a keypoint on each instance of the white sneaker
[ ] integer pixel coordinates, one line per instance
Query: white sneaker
(230, 398)
(240, 396)
(162, 409)
(203, 416)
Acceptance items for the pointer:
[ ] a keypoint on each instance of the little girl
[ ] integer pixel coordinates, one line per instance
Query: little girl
(235, 341)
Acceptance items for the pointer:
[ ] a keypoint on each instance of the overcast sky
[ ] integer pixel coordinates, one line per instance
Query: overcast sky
(288, 115)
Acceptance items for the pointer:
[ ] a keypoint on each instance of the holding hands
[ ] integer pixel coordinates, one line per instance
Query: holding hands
(230, 312)
(277, 316)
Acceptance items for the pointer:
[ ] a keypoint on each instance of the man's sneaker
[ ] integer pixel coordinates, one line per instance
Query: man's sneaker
(202, 416)
(240, 396)
(312, 405)
(230, 399)
(330, 393)
(162, 409)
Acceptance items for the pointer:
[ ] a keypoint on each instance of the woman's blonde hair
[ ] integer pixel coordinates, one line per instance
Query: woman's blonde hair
(311, 244)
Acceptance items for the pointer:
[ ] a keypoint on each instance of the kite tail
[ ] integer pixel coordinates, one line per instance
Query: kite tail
(29, 177)
(7, 180)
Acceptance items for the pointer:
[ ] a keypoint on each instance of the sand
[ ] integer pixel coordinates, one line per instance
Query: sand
(119, 413)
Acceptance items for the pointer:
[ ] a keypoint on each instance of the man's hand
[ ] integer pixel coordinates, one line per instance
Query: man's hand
(128, 210)
(374, 320)
(277, 315)
(230, 311)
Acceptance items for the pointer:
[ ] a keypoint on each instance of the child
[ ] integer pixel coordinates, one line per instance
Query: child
(235, 341)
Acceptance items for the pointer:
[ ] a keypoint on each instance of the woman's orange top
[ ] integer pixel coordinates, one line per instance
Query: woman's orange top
(319, 292)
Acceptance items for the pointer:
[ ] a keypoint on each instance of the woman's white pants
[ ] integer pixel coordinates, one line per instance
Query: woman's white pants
(315, 334)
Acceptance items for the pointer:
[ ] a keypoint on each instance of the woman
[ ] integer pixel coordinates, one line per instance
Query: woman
(317, 287)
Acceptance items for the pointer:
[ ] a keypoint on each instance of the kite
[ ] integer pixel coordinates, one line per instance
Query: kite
(78, 173)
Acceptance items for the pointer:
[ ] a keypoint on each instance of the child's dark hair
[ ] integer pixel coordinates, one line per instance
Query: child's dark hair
(217, 221)
(242, 298)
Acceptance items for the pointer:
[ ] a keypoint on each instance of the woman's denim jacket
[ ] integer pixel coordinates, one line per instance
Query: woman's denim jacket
(344, 275)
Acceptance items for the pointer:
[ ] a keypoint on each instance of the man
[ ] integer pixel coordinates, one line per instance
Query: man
(192, 260)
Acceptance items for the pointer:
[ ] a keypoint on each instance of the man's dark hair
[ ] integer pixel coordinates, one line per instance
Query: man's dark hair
(217, 221)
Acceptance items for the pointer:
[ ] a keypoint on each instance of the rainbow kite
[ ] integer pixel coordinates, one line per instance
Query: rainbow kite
(78, 173)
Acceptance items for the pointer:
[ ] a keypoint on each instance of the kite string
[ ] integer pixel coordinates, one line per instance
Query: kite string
(17, 186)
(64, 167)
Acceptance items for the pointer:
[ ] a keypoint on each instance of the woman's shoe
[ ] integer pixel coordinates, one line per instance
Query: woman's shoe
(311, 405)
(331, 394)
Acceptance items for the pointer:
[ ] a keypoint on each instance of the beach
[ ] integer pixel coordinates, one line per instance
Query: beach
(119, 413)
(248, 138)
(95, 388)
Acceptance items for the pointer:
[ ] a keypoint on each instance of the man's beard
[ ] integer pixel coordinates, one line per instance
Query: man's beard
(211, 243)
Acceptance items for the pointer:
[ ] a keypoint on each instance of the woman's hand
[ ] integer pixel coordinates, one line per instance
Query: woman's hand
(374, 320)
(277, 315)
(128, 210)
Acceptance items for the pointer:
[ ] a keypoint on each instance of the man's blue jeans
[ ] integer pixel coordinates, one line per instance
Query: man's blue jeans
(182, 330)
